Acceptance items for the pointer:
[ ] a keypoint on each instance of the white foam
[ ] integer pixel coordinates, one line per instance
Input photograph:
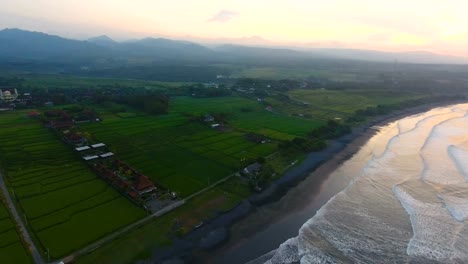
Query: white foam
(439, 165)
(460, 158)
(457, 206)
(434, 229)
(286, 253)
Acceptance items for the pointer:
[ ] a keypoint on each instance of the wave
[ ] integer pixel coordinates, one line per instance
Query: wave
(459, 158)
(457, 206)
(435, 231)
(408, 203)
(438, 165)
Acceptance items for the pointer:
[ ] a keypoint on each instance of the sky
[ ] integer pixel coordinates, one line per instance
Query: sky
(397, 25)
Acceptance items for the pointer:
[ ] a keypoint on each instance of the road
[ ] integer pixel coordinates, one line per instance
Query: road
(34, 252)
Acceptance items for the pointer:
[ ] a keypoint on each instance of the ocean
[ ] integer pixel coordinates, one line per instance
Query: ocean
(406, 201)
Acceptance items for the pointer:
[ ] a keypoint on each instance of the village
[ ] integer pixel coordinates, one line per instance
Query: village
(137, 187)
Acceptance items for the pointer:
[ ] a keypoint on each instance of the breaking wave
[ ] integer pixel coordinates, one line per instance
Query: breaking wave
(407, 204)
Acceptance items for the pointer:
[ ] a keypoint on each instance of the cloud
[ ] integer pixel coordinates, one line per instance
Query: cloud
(223, 16)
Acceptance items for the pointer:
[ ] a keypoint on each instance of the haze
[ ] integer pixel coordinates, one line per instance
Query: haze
(436, 26)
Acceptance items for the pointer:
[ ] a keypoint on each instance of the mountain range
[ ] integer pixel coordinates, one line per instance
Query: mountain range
(16, 44)
(158, 58)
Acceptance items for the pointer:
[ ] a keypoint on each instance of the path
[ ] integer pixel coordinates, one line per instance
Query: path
(34, 252)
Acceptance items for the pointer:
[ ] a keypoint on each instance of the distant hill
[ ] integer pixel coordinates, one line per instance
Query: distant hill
(20, 45)
(161, 48)
(103, 41)
(238, 53)
(36, 51)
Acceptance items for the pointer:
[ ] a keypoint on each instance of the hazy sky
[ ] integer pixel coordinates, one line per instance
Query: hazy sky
(433, 25)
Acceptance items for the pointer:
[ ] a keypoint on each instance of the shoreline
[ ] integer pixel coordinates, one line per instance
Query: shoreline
(205, 244)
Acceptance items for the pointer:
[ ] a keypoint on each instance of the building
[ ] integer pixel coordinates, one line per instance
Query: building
(208, 118)
(143, 185)
(253, 168)
(8, 96)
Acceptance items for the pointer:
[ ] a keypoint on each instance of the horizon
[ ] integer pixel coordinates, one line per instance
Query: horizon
(366, 25)
(242, 42)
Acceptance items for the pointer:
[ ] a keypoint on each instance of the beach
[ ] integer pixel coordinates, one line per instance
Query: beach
(263, 221)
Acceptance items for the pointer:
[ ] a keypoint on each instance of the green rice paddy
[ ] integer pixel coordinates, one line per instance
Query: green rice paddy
(65, 205)
(11, 249)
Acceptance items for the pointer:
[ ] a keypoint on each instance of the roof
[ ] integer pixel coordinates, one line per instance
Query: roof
(82, 148)
(253, 167)
(143, 183)
(98, 145)
(90, 157)
(108, 154)
(33, 113)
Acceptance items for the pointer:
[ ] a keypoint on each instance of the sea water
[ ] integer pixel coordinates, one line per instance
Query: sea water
(407, 201)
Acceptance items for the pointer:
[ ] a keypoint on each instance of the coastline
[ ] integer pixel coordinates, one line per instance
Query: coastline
(227, 231)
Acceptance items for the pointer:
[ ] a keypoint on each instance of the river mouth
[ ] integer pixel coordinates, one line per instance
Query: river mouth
(402, 197)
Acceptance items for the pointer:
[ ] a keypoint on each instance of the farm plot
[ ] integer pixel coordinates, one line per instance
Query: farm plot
(11, 249)
(328, 104)
(248, 116)
(185, 156)
(182, 156)
(65, 205)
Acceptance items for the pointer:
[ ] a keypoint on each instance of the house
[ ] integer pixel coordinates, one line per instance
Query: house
(79, 149)
(74, 138)
(208, 118)
(8, 96)
(106, 155)
(98, 145)
(88, 158)
(33, 114)
(60, 125)
(143, 185)
(253, 168)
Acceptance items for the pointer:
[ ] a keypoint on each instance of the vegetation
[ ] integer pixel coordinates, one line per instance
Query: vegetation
(185, 136)
(11, 248)
(65, 205)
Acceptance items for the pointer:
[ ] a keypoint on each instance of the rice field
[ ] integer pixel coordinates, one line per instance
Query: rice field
(65, 205)
(11, 249)
(330, 104)
(248, 116)
(183, 157)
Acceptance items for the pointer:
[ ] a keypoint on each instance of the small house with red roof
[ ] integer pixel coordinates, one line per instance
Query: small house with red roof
(33, 114)
(143, 185)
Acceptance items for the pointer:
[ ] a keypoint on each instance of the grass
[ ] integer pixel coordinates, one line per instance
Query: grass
(65, 205)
